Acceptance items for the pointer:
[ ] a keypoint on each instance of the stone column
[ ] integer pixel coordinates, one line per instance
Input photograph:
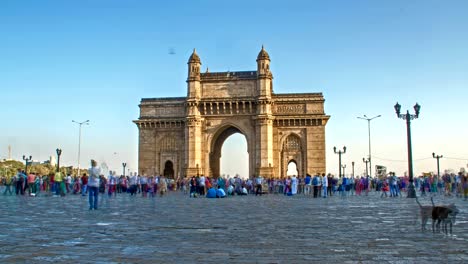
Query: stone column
(264, 147)
(315, 152)
(146, 151)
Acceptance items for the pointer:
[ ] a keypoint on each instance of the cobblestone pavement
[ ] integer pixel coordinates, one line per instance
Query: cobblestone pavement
(246, 229)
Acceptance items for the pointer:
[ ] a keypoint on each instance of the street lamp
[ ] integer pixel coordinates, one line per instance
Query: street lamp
(366, 161)
(352, 164)
(438, 170)
(27, 160)
(368, 128)
(79, 140)
(408, 117)
(59, 152)
(339, 152)
(124, 165)
(344, 167)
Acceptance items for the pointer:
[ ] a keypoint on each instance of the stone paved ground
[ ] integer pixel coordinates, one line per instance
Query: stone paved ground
(268, 229)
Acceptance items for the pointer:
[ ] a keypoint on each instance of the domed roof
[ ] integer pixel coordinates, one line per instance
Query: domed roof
(194, 57)
(263, 55)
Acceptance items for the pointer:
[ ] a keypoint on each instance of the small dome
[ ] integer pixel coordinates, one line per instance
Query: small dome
(263, 55)
(194, 57)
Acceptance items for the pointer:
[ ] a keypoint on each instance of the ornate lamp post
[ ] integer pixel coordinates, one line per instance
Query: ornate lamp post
(408, 117)
(368, 127)
(344, 167)
(27, 160)
(366, 161)
(438, 168)
(352, 164)
(339, 152)
(124, 165)
(79, 141)
(59, 152)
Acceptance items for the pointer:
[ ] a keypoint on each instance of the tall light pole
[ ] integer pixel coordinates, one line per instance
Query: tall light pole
(124, 165)
(368, 128)
(352, 164)
(79, 141)
(408, 117)
(366, 161)
(344, 167)
(438, 168)
(59, 152)
(339, 152)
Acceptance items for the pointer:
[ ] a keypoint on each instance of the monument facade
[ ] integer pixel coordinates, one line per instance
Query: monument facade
(183, 136)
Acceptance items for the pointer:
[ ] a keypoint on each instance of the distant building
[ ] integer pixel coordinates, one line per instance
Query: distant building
(34, 162)
(52, 161)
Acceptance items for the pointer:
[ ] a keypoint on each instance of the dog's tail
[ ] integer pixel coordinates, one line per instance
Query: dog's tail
(420, 206)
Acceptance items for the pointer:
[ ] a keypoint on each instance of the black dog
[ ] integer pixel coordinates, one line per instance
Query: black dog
(445, 215)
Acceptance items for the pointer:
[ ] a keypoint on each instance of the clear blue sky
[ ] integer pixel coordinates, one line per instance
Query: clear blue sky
(64, 60)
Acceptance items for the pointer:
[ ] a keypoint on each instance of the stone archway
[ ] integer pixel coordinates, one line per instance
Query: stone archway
(292, 151)
(169, 170)
(289, 167)
(216, 145)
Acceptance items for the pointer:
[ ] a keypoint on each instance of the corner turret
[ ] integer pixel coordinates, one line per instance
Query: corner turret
(263, 64)
(193, 79)
(264, 76)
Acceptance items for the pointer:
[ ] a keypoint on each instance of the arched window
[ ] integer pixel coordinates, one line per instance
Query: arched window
(168, 143)
(292, 143)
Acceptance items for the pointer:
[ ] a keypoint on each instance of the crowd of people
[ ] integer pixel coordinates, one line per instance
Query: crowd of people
(94, 182)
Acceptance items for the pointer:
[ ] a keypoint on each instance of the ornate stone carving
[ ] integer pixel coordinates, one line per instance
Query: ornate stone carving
(289, 109)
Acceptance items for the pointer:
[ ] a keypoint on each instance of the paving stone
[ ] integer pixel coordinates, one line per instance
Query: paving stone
(266, 229)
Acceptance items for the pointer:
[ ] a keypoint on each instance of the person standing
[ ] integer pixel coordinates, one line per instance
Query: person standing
(8, 183)
(316, 184)
(84, 184)
(112, 183)
(19, 182)
(202, 185)
(464, 183)
(31, 184)
(133, 184)
(162, 185)
(58, 180)
(330, 185)
(325, 186)
(144, 185)
(287, 186)
(258, 185)
(93, 185)
(293, 185)
(307, 184)
(68, 181)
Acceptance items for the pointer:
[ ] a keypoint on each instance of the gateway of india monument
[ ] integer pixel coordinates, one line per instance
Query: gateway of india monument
(183, 136)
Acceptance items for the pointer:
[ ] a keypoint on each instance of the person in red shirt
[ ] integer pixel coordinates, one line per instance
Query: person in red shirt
(52, 182)
(31, 185)
(84, 184)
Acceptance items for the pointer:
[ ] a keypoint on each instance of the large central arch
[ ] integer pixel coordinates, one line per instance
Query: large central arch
(216, 145)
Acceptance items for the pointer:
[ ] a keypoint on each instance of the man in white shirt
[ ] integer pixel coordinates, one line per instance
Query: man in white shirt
(201, 183)
(93, 185)
(324, 185)
(133, 184)
(68, 182)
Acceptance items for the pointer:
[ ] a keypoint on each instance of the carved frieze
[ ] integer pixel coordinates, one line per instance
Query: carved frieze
(289, 109)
